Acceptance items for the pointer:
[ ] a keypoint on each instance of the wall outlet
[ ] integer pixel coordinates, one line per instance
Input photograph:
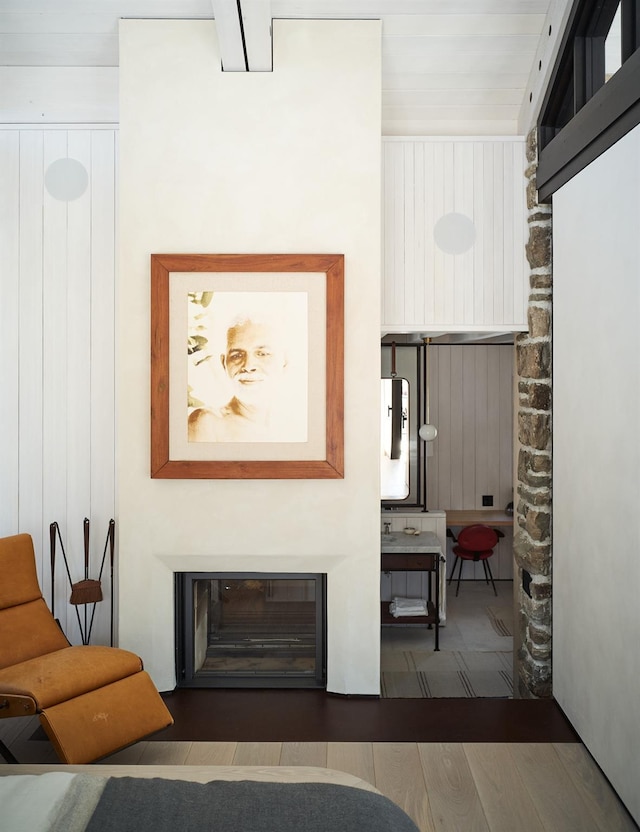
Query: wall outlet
(487, 499)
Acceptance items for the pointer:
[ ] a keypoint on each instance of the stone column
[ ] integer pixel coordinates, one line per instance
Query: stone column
(532, 529)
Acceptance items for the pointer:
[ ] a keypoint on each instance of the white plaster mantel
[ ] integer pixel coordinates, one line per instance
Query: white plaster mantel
(251, 164)
(320, 563)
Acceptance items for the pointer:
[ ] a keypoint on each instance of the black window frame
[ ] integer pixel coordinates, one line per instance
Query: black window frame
(599, 113)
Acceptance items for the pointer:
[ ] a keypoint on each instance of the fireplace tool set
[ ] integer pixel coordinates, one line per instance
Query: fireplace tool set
(88, 590)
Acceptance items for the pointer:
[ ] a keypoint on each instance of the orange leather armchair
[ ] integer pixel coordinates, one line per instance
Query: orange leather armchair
(91, 700)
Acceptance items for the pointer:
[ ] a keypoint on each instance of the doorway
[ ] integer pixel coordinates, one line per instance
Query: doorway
(469, 465)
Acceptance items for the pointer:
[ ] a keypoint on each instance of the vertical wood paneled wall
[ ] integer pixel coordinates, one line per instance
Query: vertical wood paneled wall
(484, 287)
(57, 338)
(471, 403)
(57, 354)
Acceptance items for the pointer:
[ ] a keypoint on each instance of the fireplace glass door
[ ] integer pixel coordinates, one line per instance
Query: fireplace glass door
(250, 629)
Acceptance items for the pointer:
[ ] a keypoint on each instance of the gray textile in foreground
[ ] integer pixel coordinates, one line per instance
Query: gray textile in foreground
(131, 804)
(79, 803)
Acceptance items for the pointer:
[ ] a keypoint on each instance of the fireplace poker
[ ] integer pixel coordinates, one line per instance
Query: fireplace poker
(54, 530)
(108, 542)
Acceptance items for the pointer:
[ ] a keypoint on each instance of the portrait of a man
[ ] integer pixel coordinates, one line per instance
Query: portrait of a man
(247, 372)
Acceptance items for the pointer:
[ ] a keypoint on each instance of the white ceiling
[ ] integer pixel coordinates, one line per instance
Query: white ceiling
(450, 67)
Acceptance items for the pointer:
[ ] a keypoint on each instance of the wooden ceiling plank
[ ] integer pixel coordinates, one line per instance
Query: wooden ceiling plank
(58, 24)
(461, 96)
(455, 45)
(59, 50)
(118, 8)
(446, 81)
(68, 23)
(456, 63)
(463, 112)
(382, 8)
(439, 25)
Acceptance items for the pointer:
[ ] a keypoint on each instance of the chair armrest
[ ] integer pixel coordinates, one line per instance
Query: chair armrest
(14, 705)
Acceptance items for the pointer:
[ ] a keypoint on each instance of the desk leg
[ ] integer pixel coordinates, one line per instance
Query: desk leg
(437, 579)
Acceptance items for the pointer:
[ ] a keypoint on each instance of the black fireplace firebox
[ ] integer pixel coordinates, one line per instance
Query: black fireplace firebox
(250, 629)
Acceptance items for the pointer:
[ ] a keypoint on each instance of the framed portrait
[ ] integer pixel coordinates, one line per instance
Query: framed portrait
(247, 366)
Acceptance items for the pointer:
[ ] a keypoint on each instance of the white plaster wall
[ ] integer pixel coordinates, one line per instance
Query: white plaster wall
(287, 161)
(596, 477)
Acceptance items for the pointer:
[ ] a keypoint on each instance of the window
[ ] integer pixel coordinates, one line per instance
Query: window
(594, 95)
(613, 46)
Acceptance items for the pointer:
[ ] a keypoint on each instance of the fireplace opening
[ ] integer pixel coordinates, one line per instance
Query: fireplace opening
(240, 629)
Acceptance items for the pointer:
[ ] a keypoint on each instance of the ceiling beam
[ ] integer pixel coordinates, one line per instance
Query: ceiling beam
(244, 34)
(230, 38)
(256, 23)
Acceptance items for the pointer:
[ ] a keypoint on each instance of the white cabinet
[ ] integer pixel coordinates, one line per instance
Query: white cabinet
(454, 234)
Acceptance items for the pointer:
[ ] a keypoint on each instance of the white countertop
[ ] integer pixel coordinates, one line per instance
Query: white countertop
(401, 543)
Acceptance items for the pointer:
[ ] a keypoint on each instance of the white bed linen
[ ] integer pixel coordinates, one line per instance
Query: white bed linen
(30, 802)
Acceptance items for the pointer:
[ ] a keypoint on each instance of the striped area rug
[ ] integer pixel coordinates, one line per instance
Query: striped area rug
(450, 674)
(501, 620)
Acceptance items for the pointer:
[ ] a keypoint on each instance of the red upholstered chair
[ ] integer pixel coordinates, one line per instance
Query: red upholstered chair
(91, 700)
(475, 543)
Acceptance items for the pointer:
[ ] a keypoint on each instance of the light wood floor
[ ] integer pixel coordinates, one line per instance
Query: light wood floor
(444, 787)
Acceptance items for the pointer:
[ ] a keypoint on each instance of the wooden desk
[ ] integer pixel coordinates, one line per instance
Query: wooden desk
(486, 516)
(414, 553)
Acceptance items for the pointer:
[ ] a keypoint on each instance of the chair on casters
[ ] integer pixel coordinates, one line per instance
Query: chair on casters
(474, 543)
(91, 700)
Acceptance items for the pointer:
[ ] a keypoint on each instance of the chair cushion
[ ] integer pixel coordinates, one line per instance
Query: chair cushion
(102, 721)
(64, 674)
(28, 630)
(477, 537)
(467, 554)
(19, 582)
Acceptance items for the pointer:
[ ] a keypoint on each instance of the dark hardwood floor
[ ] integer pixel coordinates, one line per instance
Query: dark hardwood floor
(257, 715)
(312, 715)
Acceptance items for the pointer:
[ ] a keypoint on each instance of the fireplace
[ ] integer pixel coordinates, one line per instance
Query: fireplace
(241, 629)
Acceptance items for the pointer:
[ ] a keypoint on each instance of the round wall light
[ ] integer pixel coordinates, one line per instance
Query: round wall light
(428, 432)
(66, 179)
(454, 233)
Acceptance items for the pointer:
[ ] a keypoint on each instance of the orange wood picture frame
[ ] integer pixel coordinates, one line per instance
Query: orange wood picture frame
(332, 465)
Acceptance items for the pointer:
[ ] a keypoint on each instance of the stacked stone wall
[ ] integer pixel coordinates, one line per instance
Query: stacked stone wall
(532, 528)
